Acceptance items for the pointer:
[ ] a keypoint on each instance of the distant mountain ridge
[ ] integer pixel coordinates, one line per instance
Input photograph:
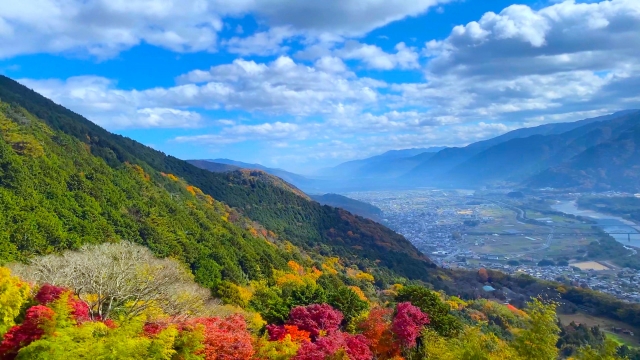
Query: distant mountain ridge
(590, 154)
(437, 167)
(351, 205)
(612, 164)
(389, 164)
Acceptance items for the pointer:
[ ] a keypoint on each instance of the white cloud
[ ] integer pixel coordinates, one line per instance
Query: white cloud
(376, 58)
(260, 132)
(261, 43)
(103, 28)
(330, 64)
(279, 87)
(97, 99)
(520, 63)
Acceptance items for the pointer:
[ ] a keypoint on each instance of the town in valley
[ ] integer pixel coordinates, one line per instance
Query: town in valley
(513, 233)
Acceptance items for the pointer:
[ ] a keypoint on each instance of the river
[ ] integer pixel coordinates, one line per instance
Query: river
(611, 224)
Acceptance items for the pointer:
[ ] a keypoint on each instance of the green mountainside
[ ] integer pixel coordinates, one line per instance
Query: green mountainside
(289, 215)
(213, 166)
(55, 195)
(354, 206)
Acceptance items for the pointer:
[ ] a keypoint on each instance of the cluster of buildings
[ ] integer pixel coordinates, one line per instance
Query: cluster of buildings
(624, 283)
(433, 220)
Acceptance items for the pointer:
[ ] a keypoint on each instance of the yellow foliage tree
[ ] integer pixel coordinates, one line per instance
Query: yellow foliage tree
(13, 294)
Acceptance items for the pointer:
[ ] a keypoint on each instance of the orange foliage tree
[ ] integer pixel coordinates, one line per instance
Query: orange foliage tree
(225, 339)
(377, 329)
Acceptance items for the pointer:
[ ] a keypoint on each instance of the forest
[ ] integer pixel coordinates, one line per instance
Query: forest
(58, 306)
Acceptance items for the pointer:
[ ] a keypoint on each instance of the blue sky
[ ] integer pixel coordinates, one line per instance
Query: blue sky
(304, 85)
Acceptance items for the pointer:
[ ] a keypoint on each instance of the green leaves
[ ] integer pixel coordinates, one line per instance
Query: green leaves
(429, 302)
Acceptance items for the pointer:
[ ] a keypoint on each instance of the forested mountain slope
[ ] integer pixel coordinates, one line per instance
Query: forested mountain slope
(292, 217)
(354, 206)
(287, 176)
(613, 164)
(55, 195)
(518, 159)
(213, 166)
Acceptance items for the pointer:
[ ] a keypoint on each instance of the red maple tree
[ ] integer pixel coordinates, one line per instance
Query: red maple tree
(316, 319)
(408, 323)
(31, 329)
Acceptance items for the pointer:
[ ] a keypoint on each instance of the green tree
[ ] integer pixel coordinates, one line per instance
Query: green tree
(349, 303)
(440, 318)
(537, 341)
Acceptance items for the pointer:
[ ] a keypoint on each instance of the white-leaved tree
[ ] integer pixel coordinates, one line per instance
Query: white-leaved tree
(122, 279)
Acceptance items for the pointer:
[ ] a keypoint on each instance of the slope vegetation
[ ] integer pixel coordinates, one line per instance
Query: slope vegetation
(322, 229)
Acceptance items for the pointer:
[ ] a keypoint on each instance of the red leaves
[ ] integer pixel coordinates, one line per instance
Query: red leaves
(49, 293)
(408, 323)
(153, 329)
(79, 310)
(225, 339)
(279, 332)
(315, 319)
(322, 324)
(356, 347)
(31, 329)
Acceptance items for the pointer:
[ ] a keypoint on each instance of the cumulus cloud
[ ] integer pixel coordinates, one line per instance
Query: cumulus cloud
(564, 58)
(521, 66)
(261, 43)
(103, 28)
(97, 99)
(375, 58)
(279, 87)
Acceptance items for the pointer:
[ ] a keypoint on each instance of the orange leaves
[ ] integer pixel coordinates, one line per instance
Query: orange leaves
(225, 339)
(360, 275)
(280, 333)
(289, 279)
(297, 268)
(332, 265)
(299, 275)
(141, 172)
(483, 275)
(377, 329)
(194, 190)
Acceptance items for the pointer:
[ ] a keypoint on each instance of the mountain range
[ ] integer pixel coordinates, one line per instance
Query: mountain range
(592, 154)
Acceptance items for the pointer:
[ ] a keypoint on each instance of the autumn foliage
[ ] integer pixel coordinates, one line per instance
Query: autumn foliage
(31, 329)
(225, 339)
(49, 293)
(377, 329)
(355, 347)
(280, 332)
(316, 319)
(408, 323)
